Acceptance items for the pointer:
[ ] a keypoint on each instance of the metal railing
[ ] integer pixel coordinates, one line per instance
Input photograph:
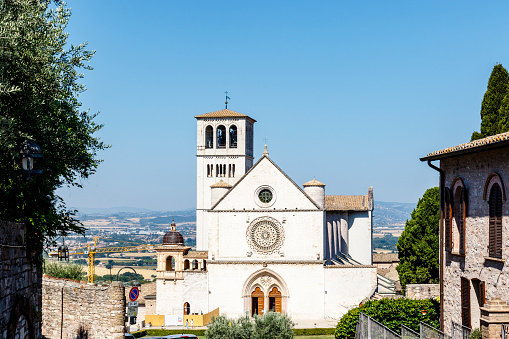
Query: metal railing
(428, 332)
(504, 333)
(407, 333)
(369, 328)
(460, 332)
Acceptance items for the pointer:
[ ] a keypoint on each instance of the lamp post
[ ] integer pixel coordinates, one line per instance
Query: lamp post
(29, 151)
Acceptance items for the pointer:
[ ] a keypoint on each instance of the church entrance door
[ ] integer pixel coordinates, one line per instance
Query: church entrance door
(257, 302)
(275, 300)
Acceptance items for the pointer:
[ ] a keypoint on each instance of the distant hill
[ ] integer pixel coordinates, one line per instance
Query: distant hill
(392, 213)
(385, 213)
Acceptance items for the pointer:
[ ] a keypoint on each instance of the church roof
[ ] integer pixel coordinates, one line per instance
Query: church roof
(347, 202)
(224, 113)
(314, 182)
(221, 183)
(491, 142)
(173, 237)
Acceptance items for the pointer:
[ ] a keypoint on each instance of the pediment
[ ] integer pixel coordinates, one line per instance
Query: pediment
(265, 179)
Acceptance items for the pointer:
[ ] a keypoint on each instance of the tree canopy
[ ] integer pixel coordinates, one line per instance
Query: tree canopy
(495, 105)
(39, 90)
(418, 245)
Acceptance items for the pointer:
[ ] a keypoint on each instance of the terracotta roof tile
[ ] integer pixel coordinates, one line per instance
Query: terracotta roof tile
(224, 113)
(314, 182)
(221, 183)
(346, 202)
(385, 257)
(469, 146)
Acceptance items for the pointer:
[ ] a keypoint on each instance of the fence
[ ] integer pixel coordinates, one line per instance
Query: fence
(407, 333)
(368, 328)
(505, 331)
(460, 332)
(428, 332)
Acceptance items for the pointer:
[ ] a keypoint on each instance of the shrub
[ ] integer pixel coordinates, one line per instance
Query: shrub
(476, 334)
(392, 313)
(273, 326)
(64, 271)
(269, 326)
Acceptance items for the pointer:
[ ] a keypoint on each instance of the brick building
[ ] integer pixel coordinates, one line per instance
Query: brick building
(474, 234)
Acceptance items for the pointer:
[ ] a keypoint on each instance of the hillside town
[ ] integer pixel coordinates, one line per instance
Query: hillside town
(342, 224)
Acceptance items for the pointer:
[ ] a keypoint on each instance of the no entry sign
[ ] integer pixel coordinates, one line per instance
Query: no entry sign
(134, 293)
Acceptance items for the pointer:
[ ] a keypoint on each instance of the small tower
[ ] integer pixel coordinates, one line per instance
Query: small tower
(170, 255)
(224, 153)
(316, 191)
(218, 190)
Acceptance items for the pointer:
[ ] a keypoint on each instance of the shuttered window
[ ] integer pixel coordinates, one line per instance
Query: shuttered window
(495, 203)
(459, 216)
(447, 219)
(465, 302)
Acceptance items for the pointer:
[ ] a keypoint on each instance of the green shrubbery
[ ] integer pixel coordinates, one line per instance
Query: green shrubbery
(64, 270)
(269, 326)
(392, 313)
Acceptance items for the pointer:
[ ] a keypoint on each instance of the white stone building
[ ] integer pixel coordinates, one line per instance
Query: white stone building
(263, 242)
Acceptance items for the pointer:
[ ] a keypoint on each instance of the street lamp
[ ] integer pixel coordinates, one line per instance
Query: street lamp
(29, 151)
(63, 252)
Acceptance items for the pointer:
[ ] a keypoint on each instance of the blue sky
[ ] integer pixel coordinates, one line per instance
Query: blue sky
(349, 92)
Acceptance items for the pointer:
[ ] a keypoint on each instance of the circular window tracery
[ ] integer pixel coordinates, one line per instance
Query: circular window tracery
(265, 235)
(265, 196)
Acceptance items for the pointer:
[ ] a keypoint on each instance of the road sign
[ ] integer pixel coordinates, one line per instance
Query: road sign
(132, 311)
(134, 293)
(132, 303)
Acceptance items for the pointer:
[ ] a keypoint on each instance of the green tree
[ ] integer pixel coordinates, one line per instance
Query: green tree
(418, 244)
(494, 115)
(39, 89)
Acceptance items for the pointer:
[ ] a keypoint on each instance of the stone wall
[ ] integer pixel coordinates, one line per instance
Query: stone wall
(474, 265)
(72, 307)
(145, 289)
(20, 281)
(422, 291)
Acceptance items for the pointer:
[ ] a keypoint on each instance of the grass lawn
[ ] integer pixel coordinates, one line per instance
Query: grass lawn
(306, 337)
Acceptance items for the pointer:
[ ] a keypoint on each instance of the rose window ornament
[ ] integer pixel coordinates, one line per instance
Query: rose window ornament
(265, 235)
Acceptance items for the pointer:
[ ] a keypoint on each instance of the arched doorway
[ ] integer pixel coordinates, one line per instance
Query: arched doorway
(275, 300)
(257, 302)
(187, 308)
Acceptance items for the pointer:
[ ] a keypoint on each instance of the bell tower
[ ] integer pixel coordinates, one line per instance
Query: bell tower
(224, 153)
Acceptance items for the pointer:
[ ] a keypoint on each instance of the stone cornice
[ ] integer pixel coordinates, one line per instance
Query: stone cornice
(265, 262)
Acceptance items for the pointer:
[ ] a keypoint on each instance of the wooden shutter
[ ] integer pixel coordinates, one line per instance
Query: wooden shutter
(465, 302)
(447, 219)
(495, 222)
(461, 219)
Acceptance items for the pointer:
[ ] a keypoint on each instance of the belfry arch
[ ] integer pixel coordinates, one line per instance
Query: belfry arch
(265, 289)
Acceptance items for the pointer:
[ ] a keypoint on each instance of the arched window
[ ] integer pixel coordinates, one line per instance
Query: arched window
(233, 136)
(208, 170)
(224, 170)
(170, 263)
(187, 308)
(195, 264)
(233, 170)
(217, 170)
(459, 215)
(209, 137)
(495, 202)
(447, 219)
(204, 267)
(221, 136)
(186, 264)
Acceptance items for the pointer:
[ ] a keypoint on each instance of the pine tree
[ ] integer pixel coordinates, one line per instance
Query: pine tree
(418, 245)
(498, 88)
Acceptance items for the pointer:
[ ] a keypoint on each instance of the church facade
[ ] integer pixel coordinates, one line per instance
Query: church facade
(263, 242)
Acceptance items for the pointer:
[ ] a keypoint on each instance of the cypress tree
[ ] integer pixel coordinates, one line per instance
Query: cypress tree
(491, 104)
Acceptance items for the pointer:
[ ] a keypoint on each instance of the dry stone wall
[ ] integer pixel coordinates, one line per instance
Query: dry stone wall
(20, 281)
(72, 308)
(422, 291)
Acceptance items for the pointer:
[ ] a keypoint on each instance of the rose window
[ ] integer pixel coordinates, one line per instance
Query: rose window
(265, 235)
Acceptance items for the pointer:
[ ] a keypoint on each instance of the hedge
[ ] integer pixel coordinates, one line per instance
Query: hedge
(161, 332)
(392, 313)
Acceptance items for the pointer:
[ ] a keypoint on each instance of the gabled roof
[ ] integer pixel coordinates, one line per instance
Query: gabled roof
(347, 202)
(488, 143)
(254, 166)
(224, 113)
